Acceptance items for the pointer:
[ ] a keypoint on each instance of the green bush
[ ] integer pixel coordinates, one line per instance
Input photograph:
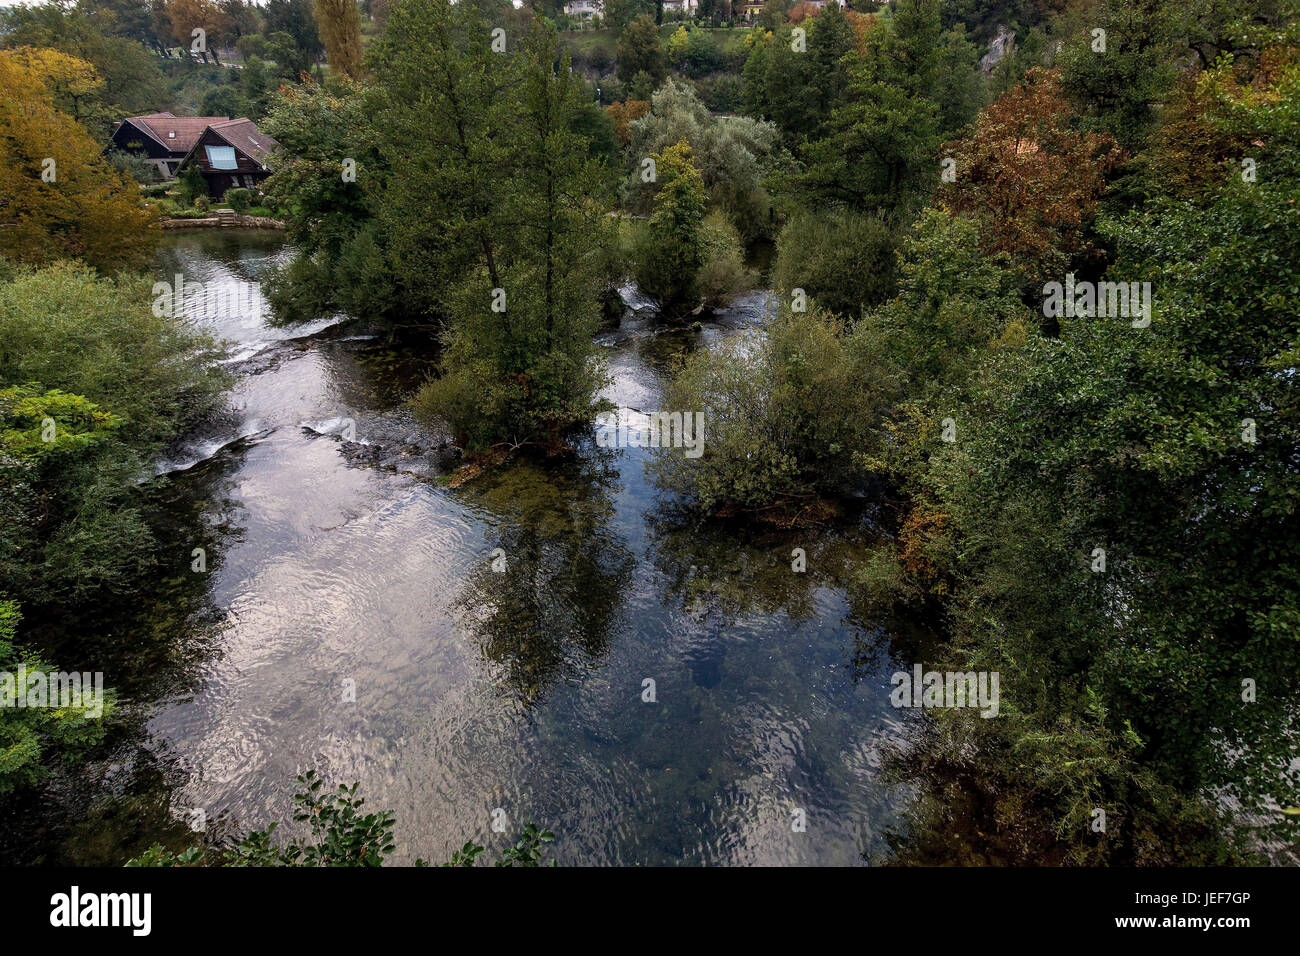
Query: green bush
(192, 185)
(238, 199)
(844, 261)
(721, 92)
(769, 439)
(90, 354)
(723, 274)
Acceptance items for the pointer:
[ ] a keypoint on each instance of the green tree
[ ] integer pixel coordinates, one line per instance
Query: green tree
(255, 85)
(292, 36)
(734, 154)
(880, 149)
(639, 51)
(800, 89)
(1119, 90)
(340, 835)
(673, 251)
(515, 246)
(1112, 524)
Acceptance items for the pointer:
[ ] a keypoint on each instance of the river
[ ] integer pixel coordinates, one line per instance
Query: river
(334, 569)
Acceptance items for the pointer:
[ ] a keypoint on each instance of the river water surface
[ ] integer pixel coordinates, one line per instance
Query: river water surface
(333, 566)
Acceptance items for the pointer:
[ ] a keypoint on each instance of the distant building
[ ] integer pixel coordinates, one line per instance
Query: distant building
(681, 6)
(584, 9)
(752, 8)
(230, 155)
(161, 138)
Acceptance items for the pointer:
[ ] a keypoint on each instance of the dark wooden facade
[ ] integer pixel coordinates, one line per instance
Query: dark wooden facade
(251, 150)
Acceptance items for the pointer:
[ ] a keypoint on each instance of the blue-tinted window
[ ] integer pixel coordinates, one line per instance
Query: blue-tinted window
(221, 157)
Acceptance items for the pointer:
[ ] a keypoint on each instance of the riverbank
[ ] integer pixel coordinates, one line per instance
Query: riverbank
(225, 222)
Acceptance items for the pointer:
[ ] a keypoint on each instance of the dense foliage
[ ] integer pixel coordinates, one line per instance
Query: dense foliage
(119, 383)
(1100, 507)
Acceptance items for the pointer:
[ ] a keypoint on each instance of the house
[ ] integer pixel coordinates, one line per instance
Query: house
(681, 6)
(161, 138)
(584, 9)
(231, 154)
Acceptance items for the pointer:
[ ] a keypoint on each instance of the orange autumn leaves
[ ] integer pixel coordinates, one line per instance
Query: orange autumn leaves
(623, 114)
(58, 198)
(1031, 179)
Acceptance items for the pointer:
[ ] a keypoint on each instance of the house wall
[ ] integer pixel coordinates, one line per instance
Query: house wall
(128, 139)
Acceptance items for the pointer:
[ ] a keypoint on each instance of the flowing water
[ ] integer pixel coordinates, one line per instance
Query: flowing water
(334, 566)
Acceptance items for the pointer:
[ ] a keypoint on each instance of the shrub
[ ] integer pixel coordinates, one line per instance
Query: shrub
(721, 92)
(845, 261)
(192, 184)
(769, 440)
(76, 348)
(723, 273)
(238, 199)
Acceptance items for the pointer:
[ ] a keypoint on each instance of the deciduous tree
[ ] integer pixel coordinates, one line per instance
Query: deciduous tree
(58, 197)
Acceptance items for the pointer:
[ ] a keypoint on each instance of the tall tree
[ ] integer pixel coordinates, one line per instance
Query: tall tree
(640, 52)
(675, 242)
(509, 253)
(339, 23)
(293, 19)
(880, 149)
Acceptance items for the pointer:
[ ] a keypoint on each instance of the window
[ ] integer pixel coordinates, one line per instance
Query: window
(221, 157)
(171, 134)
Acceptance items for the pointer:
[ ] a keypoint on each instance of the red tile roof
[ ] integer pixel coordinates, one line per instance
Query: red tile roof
(188, 129)
(243, 134)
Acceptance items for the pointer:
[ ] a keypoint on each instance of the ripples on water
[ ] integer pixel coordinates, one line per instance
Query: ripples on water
(475, 689)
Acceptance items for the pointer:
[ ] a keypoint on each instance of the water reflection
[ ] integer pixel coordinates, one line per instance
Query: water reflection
(544, 603)
(153, 649)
